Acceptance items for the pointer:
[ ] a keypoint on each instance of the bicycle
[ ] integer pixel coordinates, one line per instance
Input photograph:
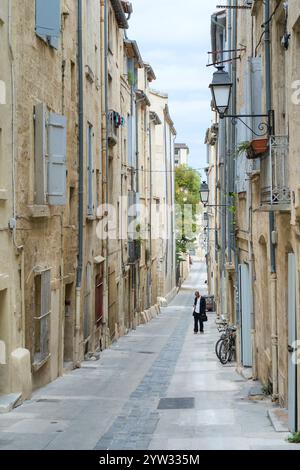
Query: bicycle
(227, 346)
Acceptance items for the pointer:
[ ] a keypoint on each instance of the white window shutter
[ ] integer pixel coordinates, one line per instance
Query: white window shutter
(48, 21)
(57, 150)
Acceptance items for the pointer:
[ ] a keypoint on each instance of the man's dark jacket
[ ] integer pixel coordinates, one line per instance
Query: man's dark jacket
(202, 305)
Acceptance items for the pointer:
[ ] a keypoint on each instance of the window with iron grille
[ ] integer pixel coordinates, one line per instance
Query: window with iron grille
(42, 310)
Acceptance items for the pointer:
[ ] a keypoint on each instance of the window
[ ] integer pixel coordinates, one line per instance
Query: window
(50, 157)
(99, 296)
(42, 309)
(73, 82)
(90, 171)
(48, 21)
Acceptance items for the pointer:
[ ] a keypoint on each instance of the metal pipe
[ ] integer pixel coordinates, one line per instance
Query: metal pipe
(268, 108)
(80, 179)
(273, 283)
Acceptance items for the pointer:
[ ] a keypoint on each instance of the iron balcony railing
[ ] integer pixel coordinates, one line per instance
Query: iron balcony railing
(275, 191)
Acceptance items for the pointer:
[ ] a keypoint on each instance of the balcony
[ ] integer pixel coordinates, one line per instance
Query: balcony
(275, 192)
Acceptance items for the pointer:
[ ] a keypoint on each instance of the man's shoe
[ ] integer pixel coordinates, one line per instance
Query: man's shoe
(202, 332)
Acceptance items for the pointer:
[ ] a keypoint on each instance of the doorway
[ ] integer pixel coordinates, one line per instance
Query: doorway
(69, 323)
(292, 337)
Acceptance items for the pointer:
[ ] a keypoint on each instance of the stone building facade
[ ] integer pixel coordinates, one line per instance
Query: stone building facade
(261, 291)
(75, 137)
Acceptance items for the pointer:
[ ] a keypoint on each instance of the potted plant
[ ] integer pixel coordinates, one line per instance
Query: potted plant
(245, 147)
(260, 146)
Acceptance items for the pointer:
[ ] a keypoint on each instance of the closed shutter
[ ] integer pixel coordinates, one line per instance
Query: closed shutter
(48, 21)
(246, 321)
(57, 149)
(129, 140)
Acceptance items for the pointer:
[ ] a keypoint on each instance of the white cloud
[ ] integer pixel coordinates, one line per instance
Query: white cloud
(174, 36)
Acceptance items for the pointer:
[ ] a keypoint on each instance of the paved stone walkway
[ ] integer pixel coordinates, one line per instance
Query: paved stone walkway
(159, 388)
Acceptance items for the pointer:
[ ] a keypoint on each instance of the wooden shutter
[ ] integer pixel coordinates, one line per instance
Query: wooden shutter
(40, 170)
(57, 150)
(90, 172)
(48, 21)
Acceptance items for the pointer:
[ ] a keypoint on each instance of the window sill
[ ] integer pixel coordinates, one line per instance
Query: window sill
(37, 365)
(39, 211)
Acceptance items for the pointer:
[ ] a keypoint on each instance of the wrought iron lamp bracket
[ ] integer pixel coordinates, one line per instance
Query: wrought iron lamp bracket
(265, 127)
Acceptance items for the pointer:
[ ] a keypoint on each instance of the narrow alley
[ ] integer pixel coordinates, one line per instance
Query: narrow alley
(159, 387)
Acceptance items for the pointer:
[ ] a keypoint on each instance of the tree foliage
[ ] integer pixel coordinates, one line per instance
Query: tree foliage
(187, 199)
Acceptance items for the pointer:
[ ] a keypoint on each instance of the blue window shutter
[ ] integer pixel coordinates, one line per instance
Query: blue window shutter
(57, 150)
(90, 171)
(48, 21)
(129, 140)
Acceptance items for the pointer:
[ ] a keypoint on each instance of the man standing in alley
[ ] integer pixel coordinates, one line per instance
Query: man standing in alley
(199, 312)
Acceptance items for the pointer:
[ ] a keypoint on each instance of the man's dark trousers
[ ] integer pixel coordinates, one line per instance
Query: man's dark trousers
(198, 321)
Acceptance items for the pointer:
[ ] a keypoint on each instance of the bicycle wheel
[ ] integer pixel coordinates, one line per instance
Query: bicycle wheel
(224, 351)
(217, 347)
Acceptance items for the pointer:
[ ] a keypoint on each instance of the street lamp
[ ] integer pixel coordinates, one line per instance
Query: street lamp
(204, 193)
(204, 196)
(221, 88)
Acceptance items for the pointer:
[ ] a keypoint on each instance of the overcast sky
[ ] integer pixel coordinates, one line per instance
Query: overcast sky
(174, 36)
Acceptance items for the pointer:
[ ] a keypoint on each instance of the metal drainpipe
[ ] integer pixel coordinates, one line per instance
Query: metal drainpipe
(107, 125)
(137, 187)
(233, 186)
(273, 283)
(150, 209)
(80, 184)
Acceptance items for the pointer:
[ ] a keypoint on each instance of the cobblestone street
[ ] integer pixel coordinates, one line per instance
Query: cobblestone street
(160, 387)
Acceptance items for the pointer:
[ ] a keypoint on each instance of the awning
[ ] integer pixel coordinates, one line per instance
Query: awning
(99, 259)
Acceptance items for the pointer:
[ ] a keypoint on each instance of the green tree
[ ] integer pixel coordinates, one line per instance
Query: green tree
(187, 199)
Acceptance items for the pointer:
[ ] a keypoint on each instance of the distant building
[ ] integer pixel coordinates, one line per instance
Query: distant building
(181, 154)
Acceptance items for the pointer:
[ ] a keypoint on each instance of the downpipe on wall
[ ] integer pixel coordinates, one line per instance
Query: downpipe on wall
(80, 188)
(273, 280)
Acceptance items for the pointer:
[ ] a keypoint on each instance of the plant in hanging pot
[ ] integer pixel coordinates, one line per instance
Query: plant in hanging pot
(245, 148)
(260, 146)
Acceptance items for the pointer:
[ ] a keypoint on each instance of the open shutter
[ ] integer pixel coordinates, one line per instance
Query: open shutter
(57, 148)
(40, 153)
(90, 172)
(48, 21)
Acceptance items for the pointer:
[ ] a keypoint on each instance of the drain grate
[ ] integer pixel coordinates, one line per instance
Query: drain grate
(146, 352)
(176, 404)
